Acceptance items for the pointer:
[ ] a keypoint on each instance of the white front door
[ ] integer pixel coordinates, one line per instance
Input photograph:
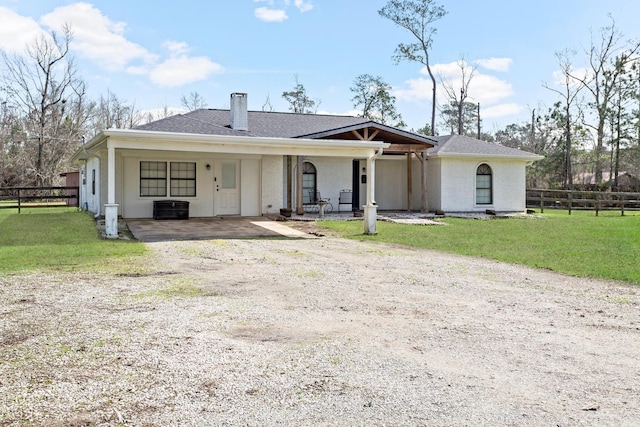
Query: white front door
(227, 187)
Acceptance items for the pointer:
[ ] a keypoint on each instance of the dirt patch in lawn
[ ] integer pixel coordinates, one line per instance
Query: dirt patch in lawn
(317, 332)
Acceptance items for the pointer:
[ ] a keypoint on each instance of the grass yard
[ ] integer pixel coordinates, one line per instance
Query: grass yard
(580, 244)
(60, 239)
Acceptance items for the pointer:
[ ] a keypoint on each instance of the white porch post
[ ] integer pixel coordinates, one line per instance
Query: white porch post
(111, 208)
(371, 209)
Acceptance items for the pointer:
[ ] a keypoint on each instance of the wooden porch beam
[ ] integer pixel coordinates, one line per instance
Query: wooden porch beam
(409, 181)
(366, 136)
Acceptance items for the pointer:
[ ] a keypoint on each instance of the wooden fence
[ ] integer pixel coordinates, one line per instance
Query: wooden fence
(582, 200)
(38, 197)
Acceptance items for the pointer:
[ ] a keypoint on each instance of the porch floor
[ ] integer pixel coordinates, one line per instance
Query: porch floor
(150, 230)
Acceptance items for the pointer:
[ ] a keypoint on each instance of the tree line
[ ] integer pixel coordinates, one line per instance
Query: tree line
(593, 128)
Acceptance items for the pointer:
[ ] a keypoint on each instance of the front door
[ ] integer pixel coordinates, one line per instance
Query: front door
(227, 188)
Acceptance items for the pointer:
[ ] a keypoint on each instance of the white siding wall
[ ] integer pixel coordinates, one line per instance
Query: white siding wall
(391, 183)
(332, 174)
(458, 185)
(434, 183)
(93, 198)
(136, 206)
(509, 184)
(272, 184)
(250, 187)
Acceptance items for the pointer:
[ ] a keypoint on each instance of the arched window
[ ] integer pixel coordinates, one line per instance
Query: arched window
(484, 193)
(309, 182)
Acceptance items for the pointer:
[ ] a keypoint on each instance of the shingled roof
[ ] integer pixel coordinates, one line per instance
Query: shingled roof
(261, 123)
(460, 145)
(282, 125)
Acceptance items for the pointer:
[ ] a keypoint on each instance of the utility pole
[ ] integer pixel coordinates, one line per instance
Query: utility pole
(460, 129)
(478, 120)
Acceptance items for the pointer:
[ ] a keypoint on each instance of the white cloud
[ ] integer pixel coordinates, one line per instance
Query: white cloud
(559, 78)
(278, 13)
(483, 88)
(345, 113)
(302, 6)
(446, 71)
(415, 90)
(96, 37)
(271, 15)
(495, 64)
(17, 31)
(500, 110)
(487, 89)
(176, 48)
(181, 69)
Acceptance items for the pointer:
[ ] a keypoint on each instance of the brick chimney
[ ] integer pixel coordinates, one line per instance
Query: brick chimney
(239, 115)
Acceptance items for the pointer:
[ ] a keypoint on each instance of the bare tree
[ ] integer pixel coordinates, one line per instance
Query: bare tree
(12, 137)
(416, 16)
(113, 112)
(193, 102)
(267, 106)
(569, 95)
(160, 113)
(609, 59)
(373, 95)
(44, 87)
(466, 74)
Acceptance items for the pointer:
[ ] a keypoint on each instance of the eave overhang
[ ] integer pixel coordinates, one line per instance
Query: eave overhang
(172, 141)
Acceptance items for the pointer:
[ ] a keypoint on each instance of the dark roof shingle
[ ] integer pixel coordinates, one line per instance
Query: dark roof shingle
(261, 123)
(460, 144)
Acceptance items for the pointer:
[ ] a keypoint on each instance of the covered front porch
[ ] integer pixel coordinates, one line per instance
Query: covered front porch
(120, 156)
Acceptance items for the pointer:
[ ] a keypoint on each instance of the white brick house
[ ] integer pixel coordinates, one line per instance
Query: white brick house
(253, 163)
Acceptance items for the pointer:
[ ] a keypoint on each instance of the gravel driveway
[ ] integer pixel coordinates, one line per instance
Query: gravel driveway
(317, 332)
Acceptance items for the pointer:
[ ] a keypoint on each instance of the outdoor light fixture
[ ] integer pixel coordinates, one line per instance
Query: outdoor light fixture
(208, 167)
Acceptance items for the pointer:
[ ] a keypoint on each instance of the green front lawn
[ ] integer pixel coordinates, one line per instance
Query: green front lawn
(580, 244)
(60, 239)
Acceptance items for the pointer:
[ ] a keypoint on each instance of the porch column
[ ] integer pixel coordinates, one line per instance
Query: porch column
(111, 208)
(422, 156)
(371, 209)
(299, 207)
(409, 181)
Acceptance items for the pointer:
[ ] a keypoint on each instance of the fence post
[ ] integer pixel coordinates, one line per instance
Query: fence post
(570, 200)
(541, 201)
(597, 202)
(19, 200)
(621, 201)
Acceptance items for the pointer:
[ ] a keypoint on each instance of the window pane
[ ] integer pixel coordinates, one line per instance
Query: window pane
(183, 179)
(483, 185)
(483, 197)
(153, 179)
(228, 175)
(483, 181)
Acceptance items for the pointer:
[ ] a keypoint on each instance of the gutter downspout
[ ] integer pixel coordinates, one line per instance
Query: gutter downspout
(371, 209)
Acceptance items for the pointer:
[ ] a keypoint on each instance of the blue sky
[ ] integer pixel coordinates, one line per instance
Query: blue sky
(152, 53)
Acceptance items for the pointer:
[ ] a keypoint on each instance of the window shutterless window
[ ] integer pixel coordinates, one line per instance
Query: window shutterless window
(183, 179)
(308, 182)
(484, 191)
(153, 179)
